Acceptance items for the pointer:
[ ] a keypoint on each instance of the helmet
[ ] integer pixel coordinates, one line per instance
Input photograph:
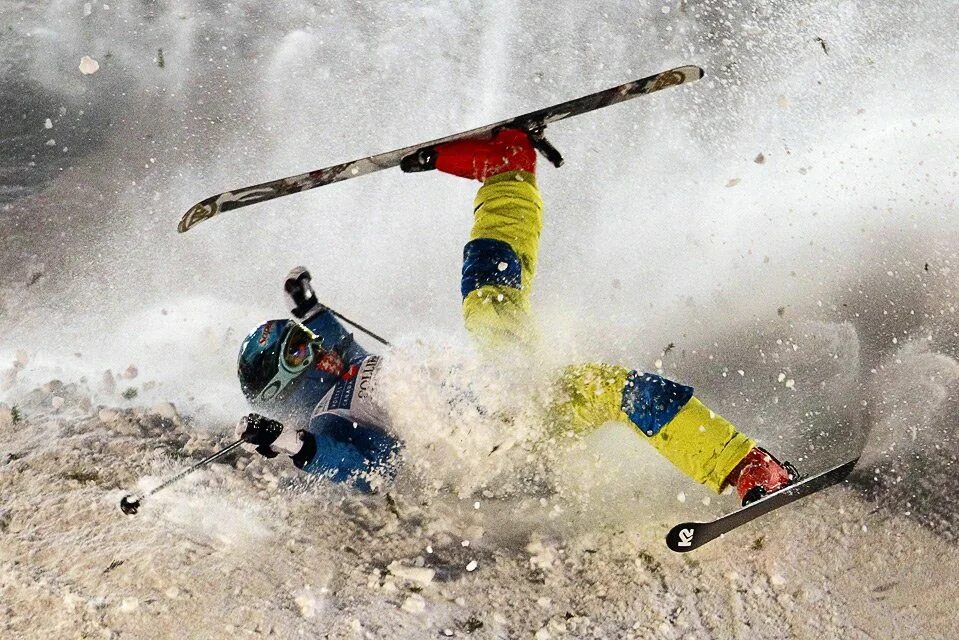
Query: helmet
(279, 357)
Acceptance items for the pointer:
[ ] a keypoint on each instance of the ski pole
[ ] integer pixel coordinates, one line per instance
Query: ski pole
(304, 304)
(360, 327)
(130, 503)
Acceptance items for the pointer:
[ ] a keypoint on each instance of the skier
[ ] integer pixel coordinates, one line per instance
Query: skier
(311, 373)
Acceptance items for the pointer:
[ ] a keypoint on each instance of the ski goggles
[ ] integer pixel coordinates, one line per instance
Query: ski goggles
(298, 350)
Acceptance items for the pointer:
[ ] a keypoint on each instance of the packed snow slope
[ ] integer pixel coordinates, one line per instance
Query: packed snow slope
(780, 234)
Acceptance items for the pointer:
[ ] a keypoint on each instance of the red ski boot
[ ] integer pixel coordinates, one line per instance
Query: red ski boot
(508, 150)
(759, 474)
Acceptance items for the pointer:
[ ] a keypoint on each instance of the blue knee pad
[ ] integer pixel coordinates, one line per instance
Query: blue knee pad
(651, 401)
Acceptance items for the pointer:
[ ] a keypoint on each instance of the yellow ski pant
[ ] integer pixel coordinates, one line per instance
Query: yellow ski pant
(499, 264)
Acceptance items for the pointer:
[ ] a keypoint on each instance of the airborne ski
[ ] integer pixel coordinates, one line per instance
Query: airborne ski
(418, 157)
(692, 535)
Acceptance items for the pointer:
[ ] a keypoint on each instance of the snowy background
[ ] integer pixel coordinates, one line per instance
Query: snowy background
(787, 224)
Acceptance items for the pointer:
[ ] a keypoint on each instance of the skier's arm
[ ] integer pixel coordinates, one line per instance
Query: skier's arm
(499, 262)
(699, 442)
(343, 450)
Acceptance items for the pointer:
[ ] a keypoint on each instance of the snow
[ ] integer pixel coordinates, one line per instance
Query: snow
(843, 168)
(88, 66)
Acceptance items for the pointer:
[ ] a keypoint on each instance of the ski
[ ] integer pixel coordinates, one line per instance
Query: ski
(417, 157)
(692, 535)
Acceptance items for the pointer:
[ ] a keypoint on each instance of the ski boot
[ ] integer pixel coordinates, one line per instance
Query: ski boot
(760, 474)
(507, 150)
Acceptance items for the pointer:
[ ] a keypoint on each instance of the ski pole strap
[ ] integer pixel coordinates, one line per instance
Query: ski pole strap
(360, 327)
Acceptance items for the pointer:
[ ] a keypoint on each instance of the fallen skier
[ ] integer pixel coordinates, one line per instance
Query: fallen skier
(309, 373)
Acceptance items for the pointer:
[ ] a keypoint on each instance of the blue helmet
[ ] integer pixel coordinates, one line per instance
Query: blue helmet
(284, 364)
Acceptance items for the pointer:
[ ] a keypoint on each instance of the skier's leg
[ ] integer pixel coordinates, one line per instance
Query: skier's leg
(499, 261)
(699, 442)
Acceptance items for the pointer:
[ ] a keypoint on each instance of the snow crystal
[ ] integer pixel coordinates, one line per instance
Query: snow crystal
(414, 604)
(307, 603)
(88, 65)
(129, 605)
(108, 415)
(421, 575)
(166, 410)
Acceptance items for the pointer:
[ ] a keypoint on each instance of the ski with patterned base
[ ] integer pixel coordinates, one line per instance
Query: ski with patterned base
(692, 535)
(417, 157)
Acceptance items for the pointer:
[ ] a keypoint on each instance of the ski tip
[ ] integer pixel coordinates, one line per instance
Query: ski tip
(682, 537)
(673, 77)
(198, 213)
(691, 72)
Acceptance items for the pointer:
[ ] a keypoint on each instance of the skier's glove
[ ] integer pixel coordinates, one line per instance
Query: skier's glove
(300, 295)
(266, 437)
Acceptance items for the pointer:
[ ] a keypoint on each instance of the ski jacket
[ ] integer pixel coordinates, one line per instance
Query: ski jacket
(347, 439)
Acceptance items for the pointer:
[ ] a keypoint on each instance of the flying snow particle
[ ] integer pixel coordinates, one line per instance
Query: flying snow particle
(682, 496)
(48, 124)
(472, 565)
(88, 65)
(782, 376)
(658, 364)
(732, 182)
(502, 266)
(665, 10)
(87, 9)
(790, 384)
(51, 142)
